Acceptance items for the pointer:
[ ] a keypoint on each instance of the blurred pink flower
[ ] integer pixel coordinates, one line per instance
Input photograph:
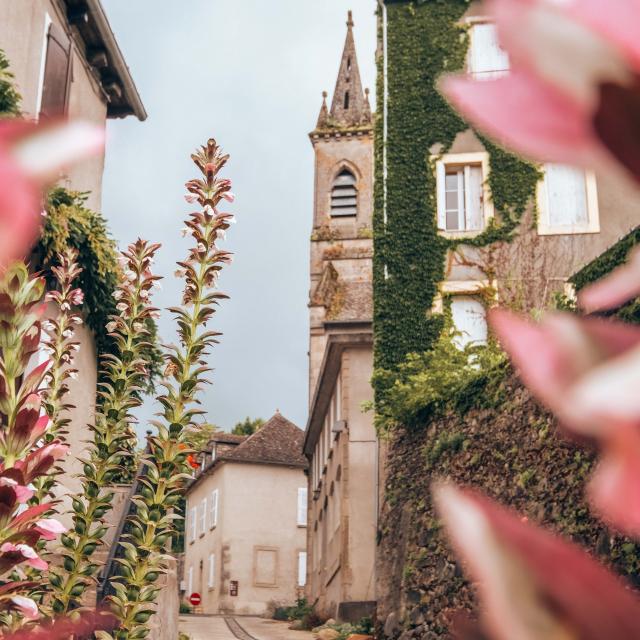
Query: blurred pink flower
(27, 607)
(572, 94)
(587, 371)
(30, 158)
(532, 584)
(620, 285)
(49, 529)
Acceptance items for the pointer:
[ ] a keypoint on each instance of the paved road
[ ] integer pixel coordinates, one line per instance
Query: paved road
(216, 628)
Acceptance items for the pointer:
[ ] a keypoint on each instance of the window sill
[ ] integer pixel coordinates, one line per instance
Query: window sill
(567, 231)
(302, 526)
(459, 235)
(212, 527)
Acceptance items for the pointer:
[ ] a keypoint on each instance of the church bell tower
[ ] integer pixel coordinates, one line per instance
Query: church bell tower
(341, 241)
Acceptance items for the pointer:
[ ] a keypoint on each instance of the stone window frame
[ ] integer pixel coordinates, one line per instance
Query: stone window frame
(440, 164)
(265, 585)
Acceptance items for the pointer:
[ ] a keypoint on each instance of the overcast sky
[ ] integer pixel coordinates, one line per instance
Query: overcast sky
(250, 73)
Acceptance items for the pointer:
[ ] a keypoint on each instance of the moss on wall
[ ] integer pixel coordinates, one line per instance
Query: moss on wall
(512, 453)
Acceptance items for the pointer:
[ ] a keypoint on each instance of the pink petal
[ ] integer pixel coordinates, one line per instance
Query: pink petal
(528, 116)
(615, 487)
(527, 576)
(621, 285)
(38, 563)
(543, 362)
(616, 20)
(49, 529)
(26, 606)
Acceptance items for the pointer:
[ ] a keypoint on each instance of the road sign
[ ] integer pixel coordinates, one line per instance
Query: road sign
(195, 599)
(233, 588)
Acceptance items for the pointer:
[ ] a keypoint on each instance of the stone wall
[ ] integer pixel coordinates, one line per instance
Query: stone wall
(513, 453)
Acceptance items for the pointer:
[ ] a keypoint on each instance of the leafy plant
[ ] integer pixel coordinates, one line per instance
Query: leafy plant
(112, 454)
(151, 526)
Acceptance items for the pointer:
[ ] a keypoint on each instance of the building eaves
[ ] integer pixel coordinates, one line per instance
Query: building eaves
(328, 375)
(105, 57)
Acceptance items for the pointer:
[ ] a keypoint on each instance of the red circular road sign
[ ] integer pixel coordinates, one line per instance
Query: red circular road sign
(195, 599)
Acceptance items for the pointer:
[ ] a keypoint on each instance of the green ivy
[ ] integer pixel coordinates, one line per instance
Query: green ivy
(10, 99)
(425, 40)
(70, 223)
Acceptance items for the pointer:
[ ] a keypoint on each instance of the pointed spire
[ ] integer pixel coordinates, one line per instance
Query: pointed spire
(349, 106)
(323, 118)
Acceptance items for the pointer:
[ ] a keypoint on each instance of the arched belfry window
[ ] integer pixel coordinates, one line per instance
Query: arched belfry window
(344, 195)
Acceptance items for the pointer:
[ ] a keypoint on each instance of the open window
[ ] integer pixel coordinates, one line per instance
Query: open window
(464, 204)
(567, 201)
(344, 195)
(487, 59)
(56, 75)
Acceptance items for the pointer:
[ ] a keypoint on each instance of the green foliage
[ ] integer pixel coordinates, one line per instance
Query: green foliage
(362, 627)
(604, 264)
(444, 378)
(425, 40)
(10, 99)
(247, 427)
(111, 457)
(71, 224)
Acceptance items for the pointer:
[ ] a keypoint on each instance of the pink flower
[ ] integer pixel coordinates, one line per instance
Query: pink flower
(571, 95)
(27, 553)
(77, 297)
(49, 529)
(31, 157)
(27, 607)
(587, 371)
(532, 584)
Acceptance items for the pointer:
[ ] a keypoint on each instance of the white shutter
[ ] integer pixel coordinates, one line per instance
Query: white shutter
(470, 319)
(203, 516)
(487, 59)
(190, 582)
(442, 195)
(302, 507)
(214, 509)
(193, 523)
(474, 194)
(212, 570)
(302, 568)
(566, 196)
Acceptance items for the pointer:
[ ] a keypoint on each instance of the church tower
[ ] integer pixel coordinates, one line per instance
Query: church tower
(340, 440)
(341, 242)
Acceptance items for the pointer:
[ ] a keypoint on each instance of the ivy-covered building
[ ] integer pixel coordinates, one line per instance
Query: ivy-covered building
(461, 225)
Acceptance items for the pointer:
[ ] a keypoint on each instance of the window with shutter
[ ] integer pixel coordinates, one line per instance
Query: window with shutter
(213, 514)
(470, 320)
(57, 73)
(193, 523)
(567, 201)
(302, 507)
(203, 517)
(212, 571)
(344, 195)
(190, 582)
(302, 568)
(487, 59)
(463, 202)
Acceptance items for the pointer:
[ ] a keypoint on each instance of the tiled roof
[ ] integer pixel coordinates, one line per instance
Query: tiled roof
(227, 438)
(278, 441)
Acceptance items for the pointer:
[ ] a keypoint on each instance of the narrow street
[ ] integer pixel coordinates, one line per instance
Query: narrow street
(238, 628)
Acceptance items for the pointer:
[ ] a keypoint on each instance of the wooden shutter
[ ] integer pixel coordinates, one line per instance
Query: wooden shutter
(203, 516)
(474, 194)
(488, 59)
(214, 508)
(57, 73)
(302, 507)
(302, 568)
(193, 524)
(212, 570)
(442, 196)
(190, 582)
(567, 196)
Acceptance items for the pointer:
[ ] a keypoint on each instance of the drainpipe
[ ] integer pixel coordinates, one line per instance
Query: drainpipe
(385, 110)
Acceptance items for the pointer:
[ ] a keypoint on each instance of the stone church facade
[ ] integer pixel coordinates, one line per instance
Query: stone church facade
(340, 440)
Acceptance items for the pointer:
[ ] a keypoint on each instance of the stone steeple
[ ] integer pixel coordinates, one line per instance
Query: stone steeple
(350, 106)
